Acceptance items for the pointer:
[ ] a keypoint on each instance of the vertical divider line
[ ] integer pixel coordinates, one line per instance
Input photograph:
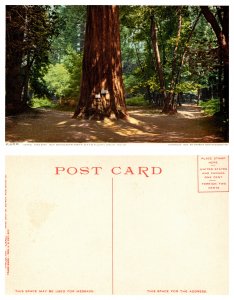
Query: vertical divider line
(112, 198)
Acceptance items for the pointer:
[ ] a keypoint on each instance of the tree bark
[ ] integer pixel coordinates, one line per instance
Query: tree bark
(102, 91)
(159, 69)
(174, 63)
(170, 104)
(14, 56)
(222, 33)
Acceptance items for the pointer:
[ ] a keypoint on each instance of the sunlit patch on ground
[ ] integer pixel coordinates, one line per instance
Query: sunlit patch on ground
(189, 125)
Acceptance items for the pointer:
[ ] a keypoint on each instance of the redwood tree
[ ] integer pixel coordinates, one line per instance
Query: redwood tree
(220, 25)
(29, 29)
(15, 16)
(102, 90)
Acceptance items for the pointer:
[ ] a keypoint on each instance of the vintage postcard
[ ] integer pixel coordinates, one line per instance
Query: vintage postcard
(141, 87)
(116, 225)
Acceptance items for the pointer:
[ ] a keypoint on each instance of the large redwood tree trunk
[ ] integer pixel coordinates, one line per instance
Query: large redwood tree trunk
(102, 91)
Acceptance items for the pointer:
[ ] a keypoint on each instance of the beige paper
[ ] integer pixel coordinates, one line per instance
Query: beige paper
(116, 225)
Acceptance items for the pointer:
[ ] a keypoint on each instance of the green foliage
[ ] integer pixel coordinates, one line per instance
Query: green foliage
(73, 63)
(131, 84)
(57, 80)
(60, 29)
(136, 25)
(136, 101)
(29, 31)
(210, 107)
(63, 79)
(71, 31)
(152, 83)
(200, 63)
(42, 102)
(188, 87)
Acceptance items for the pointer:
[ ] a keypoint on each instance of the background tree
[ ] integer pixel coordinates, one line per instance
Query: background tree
(15, 20)
(178, 42)
(102, 85)
(219, 21)
(71, 32)
(163, 32)
(137, 55)
(29, 29)
(168, 53)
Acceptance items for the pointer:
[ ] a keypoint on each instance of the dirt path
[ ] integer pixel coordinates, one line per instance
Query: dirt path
(189, 125)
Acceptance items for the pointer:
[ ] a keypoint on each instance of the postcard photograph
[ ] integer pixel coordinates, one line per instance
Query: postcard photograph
(117, 74)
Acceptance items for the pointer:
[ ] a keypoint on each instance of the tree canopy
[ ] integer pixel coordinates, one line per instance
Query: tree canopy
(168, 53)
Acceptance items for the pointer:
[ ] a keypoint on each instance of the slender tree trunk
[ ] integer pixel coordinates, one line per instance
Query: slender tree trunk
(102, 91)
(26, 71)
(82, 34)
(170, 103)
(182, 58)
(148, 92)
(159, 69)
(138, 59)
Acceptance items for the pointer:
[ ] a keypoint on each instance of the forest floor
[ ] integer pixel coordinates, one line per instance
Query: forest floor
(189, 125)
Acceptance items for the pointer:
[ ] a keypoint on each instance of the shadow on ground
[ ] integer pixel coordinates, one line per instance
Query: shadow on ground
(189, 125)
